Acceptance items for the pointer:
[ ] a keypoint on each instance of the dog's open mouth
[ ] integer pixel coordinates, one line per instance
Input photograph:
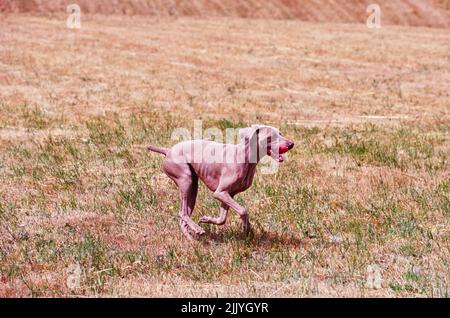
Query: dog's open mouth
(278, 157)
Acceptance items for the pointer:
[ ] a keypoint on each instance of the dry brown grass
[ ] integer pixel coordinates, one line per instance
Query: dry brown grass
(76, 186)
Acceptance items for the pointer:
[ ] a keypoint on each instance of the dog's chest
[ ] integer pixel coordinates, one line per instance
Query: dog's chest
(245, 179)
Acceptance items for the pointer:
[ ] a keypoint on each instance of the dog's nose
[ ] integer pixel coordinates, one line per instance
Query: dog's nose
(291, 145)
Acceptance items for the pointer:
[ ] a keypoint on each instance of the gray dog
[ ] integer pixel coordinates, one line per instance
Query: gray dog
(226, 169)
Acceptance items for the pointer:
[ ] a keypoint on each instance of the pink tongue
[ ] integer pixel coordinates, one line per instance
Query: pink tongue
(283, 149)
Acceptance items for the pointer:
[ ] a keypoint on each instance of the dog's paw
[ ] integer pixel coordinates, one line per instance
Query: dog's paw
(206, 219)
(199, 231)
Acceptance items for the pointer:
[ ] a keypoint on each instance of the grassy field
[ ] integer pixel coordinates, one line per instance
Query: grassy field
(367, 184)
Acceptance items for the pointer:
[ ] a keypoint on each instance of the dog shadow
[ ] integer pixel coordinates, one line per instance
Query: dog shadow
(257, 238)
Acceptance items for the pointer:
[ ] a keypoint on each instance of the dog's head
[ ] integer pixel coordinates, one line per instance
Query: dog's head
(266, 140)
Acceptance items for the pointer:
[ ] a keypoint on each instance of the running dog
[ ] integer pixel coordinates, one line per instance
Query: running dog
(226, 169)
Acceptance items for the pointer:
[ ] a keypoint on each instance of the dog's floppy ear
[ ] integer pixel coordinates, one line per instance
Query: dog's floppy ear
(249, 132)
(256, 128)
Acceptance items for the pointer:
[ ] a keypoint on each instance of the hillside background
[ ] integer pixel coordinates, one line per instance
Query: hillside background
(430, 13)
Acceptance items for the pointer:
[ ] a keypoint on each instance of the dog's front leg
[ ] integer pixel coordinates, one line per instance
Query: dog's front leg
(227, 199)
(217, 221)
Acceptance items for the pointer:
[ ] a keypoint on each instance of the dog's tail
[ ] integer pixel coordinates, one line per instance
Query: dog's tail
(158, 149)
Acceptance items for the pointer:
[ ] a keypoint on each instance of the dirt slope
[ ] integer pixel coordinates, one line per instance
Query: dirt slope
(435, 13)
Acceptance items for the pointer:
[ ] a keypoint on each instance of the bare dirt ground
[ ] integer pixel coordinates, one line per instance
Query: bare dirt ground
(368, 182)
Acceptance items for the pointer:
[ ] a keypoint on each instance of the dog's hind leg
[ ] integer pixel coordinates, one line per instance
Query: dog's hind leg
(186, 195)
(193, 194)
(192, 198)
(187, 182)
(185, 229)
